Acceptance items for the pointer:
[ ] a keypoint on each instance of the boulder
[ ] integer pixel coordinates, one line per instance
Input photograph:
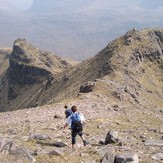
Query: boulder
(57, 116)
(23, 153)
(6, 144)
(107, 153)
(152, 142)
(158, 156)
(102, 150)
(59, 144)
(127, 157)
(111, 137)
(40, 137)
(88, 87)
(56, 153)
(161, 130)
(108, 158)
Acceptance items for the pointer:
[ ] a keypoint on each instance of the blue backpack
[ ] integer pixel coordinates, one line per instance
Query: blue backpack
(76, 122)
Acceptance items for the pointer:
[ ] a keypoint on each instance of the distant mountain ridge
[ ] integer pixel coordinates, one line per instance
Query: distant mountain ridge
(131, 63)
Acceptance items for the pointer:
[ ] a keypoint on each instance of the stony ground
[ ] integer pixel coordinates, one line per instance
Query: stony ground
(36, 130)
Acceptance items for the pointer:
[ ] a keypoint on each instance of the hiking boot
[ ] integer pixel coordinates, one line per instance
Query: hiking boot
(85, 142)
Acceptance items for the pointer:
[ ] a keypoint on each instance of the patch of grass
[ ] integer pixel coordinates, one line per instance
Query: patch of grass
(152, 99)
(49, 159)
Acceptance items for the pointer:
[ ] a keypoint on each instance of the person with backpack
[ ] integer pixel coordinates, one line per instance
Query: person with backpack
(76, 121)
(68, 111)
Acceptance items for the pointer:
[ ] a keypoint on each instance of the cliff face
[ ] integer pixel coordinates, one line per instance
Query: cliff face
(28, 66)
(4, 87)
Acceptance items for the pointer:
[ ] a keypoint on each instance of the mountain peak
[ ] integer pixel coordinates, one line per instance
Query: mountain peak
(135, 54)
(26, 54)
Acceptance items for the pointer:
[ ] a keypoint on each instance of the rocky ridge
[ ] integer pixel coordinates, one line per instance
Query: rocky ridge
(123, 108)
(125, 63)
(27, 68)
(125, 59)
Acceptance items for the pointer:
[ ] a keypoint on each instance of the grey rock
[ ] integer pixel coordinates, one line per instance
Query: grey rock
(23, 153)
(88, 87)
(59, 144)
(127, 157)
(11, 132)
(152, 129)
(101, 142)
(104, 149)
(6, 144)
(39, 152)
(57, 116)
(119, 94)
(91, 161)
(128, 41)
(107, 153)
(56, 152)
(40, 137)
(143, 137)
(152, 142)
(108, 158)
(111, 137)
(161, 110)
(158, 156)
(161, 130)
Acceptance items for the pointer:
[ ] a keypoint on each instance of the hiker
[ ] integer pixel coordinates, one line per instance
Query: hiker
(68, 111)
(76, 121)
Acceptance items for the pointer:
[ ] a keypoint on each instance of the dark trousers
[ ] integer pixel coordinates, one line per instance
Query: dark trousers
(76, 132)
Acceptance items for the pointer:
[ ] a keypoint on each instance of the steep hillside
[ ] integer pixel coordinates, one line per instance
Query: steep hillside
(27, 68)
(130, 64)
(4, 64)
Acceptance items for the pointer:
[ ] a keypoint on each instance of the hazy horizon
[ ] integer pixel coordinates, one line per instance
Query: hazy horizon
(75, 29)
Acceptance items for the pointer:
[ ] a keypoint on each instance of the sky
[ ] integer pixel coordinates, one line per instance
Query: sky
(18, 5)
(76, 28)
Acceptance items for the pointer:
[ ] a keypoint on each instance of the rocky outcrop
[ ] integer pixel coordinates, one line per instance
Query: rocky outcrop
(28, 66)
(88, 87)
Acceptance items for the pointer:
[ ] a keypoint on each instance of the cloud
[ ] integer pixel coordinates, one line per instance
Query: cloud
(19, 5)
(126, 11)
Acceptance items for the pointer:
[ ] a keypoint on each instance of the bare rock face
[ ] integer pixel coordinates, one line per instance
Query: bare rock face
(28, 66)
(111, 137)
(88, 87)
(4, 64)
